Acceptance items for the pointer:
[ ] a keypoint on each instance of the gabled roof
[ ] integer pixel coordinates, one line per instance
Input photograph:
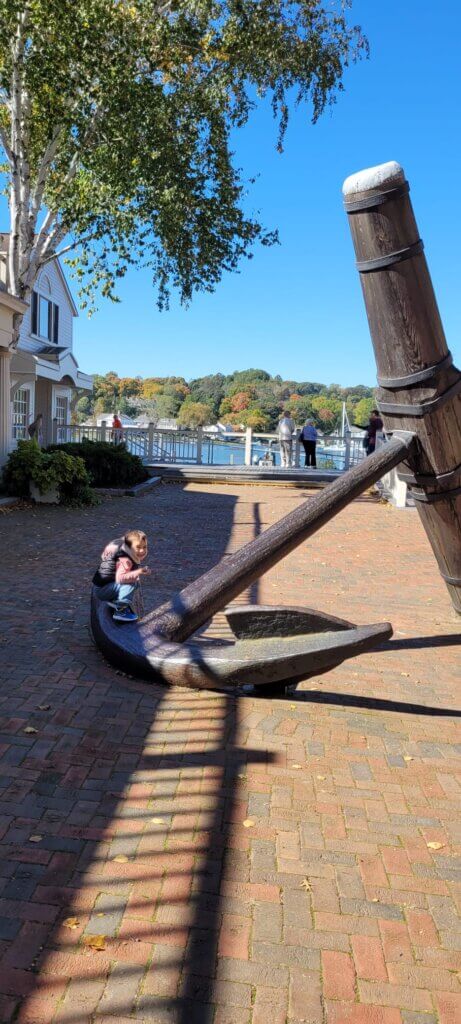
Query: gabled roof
(4, 246)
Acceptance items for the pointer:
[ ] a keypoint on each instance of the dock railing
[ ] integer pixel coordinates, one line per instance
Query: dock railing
(198, 447)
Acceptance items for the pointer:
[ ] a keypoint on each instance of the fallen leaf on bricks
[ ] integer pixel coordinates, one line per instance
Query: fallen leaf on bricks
(43, 707)
(97, 942)
(120, 859)
(406, 674)
(305, 884)
(296, 766)
(435, 846)
(406, 757)
(248, 823)
(157, 821)
(71, 922)
(30, 731)
(321, 777)
(35, 839)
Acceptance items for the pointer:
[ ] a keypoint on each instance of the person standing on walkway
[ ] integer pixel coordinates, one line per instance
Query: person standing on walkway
(285, 432)
(117, 429)
(374, 425)
(308, 438)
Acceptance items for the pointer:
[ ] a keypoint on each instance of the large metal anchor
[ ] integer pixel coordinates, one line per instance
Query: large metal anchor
(274, 646)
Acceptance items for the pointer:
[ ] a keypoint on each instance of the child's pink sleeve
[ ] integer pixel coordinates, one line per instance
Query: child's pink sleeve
(109, 550)
(125, 572)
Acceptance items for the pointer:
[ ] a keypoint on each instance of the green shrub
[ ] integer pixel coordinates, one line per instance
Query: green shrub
(47, 470)
(109, 465)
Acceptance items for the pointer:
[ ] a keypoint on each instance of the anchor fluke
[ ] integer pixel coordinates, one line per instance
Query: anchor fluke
(267, 659)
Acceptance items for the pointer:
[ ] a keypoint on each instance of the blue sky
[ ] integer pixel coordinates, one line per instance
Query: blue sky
(297, 309)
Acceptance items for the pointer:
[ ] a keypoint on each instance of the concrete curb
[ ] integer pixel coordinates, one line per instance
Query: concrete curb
(6, 502)
(131, 492)
(187, 473)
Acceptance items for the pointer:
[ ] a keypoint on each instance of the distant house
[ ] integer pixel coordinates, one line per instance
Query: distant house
(106, 417)
(167, 424)
(45, 376)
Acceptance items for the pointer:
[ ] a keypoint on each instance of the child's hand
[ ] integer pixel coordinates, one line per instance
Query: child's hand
(145, 571)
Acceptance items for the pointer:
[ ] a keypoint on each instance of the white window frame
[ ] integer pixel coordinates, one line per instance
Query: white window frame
(53, 319)
(61, 431)
(30, 399)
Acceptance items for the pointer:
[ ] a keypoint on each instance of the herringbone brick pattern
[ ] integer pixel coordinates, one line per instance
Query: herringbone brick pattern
(189, 857)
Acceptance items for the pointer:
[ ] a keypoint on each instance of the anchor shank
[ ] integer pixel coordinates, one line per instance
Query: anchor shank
(189, 609)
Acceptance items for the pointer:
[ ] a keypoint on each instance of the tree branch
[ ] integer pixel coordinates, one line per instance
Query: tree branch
(19, 191)
(45, 164)
(46, 238)
(6, 146)
(68, 248)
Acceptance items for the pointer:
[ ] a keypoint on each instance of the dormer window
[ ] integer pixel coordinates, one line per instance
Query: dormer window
(44, 315)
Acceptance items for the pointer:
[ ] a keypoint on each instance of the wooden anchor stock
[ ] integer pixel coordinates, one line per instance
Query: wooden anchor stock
(419, 388)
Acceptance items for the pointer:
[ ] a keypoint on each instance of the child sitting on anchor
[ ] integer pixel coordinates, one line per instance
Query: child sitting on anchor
(119, 573)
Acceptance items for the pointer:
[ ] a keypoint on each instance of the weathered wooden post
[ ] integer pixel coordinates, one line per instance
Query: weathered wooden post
(419, 388)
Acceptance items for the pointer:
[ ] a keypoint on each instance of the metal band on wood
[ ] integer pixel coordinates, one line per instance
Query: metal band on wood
(430, 479)
(416, 378)
(357, 205)
(454, 580)
(403, 409)
(384, 262)
(435, 495)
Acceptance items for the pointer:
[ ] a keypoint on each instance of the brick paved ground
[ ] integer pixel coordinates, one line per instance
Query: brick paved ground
(244, 860)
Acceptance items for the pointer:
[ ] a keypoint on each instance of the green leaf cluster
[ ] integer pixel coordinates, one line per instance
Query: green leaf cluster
(107, 465)
(142, 97)
(47, 470)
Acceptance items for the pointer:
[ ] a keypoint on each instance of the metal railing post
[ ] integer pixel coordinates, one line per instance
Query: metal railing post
(297, 450)
(103, 429)
(150, 442)
(54, 431)
(199, 445)
(248, 445)
(347, 454)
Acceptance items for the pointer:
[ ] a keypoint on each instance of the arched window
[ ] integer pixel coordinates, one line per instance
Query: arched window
(44, 312)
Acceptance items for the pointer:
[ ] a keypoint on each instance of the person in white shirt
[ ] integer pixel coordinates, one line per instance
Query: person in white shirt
(285, 432)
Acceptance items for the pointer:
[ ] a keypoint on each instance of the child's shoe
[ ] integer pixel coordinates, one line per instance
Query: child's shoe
(117, 605)
(124, 614)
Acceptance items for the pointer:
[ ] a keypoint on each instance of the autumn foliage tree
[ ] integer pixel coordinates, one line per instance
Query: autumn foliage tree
(194, 414)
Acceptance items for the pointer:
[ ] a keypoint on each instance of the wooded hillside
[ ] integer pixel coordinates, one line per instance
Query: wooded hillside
(247, 397)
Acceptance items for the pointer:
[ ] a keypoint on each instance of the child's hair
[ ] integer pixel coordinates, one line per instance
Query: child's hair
(135, 535)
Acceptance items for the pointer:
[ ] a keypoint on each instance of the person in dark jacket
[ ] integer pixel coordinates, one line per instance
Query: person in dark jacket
(374, 425)
(308, 438)
(119, 573)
